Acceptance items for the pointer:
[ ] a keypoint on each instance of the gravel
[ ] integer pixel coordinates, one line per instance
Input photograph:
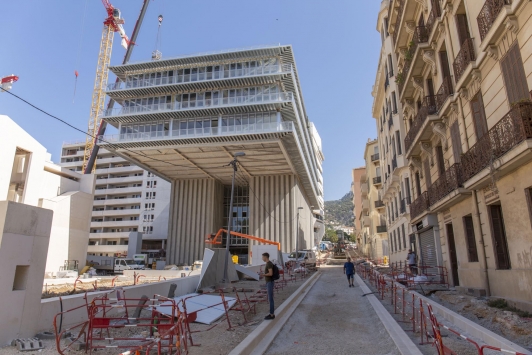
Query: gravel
(333, 319)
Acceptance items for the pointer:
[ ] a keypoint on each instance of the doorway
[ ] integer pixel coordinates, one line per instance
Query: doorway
(452, 254)
(500, 242)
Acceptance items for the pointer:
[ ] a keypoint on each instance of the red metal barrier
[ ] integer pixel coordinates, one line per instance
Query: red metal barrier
(498, 349)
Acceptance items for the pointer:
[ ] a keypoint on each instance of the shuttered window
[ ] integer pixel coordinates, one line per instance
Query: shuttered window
(455, 141)
(499, 237)
(440, 159)
(472, 254)
(463, 28)
(514, 76)
(426, 166)
(479, 116)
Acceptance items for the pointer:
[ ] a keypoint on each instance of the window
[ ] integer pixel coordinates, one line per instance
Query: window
(472, 254)
(463, 28)
(394, 102)
(426, 167)
(455, 140)
(514, 76)
(398, 140)
(21, 277)
(528, 195)
(500, 242)
(418, 184)
(404, 236)
(440, 160)
(390, 63)
(479, 116)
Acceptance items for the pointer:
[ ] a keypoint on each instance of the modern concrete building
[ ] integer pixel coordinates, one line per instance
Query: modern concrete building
(464, 78)
(27, 176)
(127, 199)
(374, 239)
(388, 113)
(184, 118)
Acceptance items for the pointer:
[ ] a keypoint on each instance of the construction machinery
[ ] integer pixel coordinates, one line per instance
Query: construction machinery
(113, 23)
(216, 239)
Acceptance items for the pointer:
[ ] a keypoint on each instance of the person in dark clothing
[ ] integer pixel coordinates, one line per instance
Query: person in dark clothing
(349, 270)
(268, 277)
(411, 259)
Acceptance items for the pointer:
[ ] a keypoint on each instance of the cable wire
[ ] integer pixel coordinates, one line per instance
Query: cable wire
(99, 138)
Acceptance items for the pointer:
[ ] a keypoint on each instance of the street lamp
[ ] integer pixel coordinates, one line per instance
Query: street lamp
(230, 222)
(297, 237)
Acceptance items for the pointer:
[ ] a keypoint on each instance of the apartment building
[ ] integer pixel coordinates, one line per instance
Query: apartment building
(391, 130)
(127, 199)
(185, 118)
(357, 175)
(464, 75)
(374, 239)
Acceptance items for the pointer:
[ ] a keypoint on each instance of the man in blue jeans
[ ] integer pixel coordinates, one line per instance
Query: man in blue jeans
(349, 270)
(268, 277)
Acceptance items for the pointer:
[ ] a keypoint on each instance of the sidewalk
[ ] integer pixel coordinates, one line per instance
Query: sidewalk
(334, 319)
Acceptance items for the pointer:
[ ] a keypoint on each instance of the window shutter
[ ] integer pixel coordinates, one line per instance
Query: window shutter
(439, 158)
(472, 254)
(426, 166)
(463, 29)
(398, 140)
(499, 237)
(455, 140)
(479, 116)
(446, 70)
(514, 76)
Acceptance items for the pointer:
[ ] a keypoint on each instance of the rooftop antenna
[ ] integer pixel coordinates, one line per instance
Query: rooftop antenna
(156, 54)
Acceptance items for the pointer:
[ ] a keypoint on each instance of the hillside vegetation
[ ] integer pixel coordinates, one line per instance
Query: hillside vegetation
(340, 212)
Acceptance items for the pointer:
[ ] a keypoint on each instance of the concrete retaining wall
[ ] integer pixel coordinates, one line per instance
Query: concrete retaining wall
(51, 306)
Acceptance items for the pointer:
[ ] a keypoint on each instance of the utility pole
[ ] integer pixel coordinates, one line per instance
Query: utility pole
(233, 163)
(297, 238)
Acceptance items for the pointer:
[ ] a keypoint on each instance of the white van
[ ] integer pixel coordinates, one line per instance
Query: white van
(306, 257)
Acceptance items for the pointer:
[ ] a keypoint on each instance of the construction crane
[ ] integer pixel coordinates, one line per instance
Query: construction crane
(113, 23)
(96, 125)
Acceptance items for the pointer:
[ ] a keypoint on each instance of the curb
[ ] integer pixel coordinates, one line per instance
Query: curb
(404, 344)
(258, 341)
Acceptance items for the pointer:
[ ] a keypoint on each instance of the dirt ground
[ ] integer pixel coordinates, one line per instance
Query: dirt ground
(504, 323)
(218, 340)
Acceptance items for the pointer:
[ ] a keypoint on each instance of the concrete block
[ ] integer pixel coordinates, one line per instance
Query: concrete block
(30, 344)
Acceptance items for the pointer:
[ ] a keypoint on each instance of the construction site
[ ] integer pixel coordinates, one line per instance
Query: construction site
(190, 217)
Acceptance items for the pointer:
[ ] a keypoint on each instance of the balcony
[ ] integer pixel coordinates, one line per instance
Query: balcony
(364, 189)
(124, 212)
(375, 158)
(386, 83)
(444, 92)
(109, 235)
(382, 229)
(424, 111)
(512, 129)
(377, 180)
(202, 105)
(365, 205)
(422, 34)
(184, 133)
(117, 201)
(202, 77)
(420, 205)
(464, 57)
(451, 180)
(115, 224)
(488, 14)
(119, 169)
(107, 249)
(366, 221)
(379, 204)
(397, 25)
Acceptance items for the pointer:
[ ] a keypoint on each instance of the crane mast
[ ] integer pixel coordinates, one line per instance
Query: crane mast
(113, 23)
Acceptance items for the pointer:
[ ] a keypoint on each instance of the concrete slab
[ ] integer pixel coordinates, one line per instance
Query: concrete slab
(247, 272)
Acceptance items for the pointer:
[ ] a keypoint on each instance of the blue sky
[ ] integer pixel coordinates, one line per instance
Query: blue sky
(335, 44)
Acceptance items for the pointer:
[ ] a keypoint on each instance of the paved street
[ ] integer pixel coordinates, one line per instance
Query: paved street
(333, 319)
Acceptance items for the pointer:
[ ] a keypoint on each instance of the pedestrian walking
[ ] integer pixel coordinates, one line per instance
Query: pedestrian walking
(268, 277)
(412, 263)
(349, 270)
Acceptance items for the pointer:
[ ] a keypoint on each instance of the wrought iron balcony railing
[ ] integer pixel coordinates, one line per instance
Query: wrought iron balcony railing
(488, 14)
(422, 34)
(512, 129)
(464, 57)
(426, 109)
(377, 180)
(435, 13)
(399, 19)
(407, 200)
(420, 205)
(375, 157)
(379, 204)
(451, 180)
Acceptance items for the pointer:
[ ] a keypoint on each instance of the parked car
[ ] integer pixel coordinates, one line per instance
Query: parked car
(306, 257)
